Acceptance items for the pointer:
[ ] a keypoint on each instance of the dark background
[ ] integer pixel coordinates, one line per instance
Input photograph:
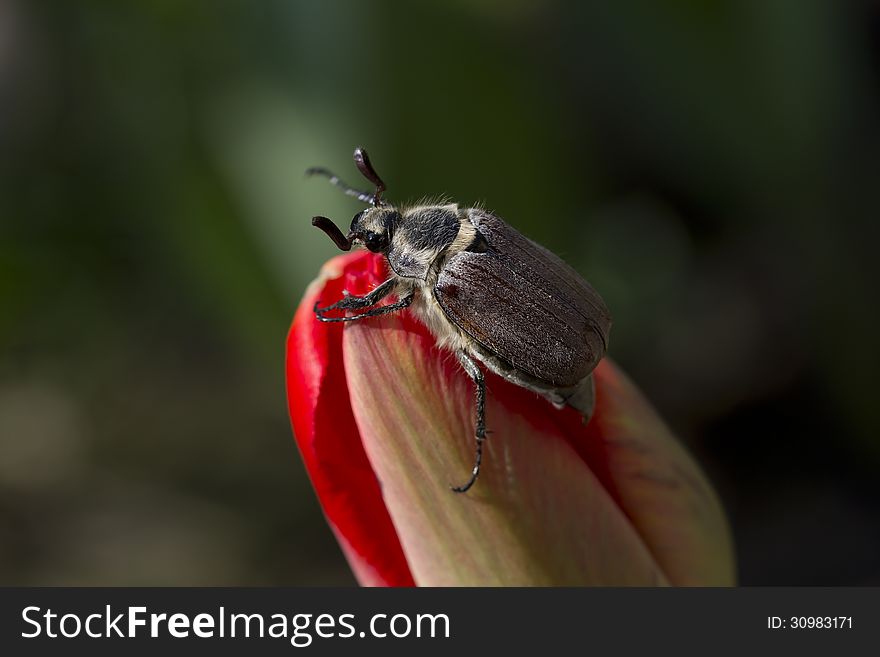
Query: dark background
(712, 167)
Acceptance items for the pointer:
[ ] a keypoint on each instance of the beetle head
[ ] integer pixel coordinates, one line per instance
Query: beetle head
(374, 228)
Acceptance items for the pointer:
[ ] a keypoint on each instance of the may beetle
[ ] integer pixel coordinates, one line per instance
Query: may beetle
(486, 292)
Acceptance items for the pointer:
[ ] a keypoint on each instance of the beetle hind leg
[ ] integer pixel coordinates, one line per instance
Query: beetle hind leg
(476, 375)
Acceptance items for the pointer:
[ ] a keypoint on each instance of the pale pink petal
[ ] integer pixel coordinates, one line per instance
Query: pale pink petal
(537, 516)
(658, 485)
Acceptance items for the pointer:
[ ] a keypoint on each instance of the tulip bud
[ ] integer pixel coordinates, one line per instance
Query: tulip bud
(385, 423)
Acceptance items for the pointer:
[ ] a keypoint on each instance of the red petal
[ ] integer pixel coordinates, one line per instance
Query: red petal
(328, 437)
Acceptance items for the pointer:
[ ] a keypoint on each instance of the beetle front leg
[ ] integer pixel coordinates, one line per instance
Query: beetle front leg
(372, 312)
(476, 374)
(356, 303)
(353, 303)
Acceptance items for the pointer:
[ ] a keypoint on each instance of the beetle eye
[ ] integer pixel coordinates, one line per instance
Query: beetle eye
(376, 242)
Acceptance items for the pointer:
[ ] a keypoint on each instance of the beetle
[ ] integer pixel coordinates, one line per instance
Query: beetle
(486, 292)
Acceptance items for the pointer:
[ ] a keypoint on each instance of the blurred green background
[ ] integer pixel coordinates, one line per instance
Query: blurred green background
(712, 167)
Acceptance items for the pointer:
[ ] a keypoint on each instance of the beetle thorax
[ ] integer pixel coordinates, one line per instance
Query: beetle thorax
(426, 307)
(418, 236)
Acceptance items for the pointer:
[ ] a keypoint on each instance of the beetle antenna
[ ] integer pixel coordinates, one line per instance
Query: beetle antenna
(362, 162)
(333, 232)
(363, 197)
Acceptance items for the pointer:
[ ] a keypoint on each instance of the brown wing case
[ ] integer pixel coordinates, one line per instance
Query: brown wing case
(524, 304)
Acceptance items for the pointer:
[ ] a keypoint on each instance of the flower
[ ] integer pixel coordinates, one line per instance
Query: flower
(384, 421)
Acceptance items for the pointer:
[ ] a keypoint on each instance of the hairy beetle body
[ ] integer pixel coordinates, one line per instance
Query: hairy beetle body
(485, 292)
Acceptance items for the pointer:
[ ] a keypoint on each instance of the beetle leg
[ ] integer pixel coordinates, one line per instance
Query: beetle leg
(372, 298)
(372, 312)
(355, 303)
(470, 366)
